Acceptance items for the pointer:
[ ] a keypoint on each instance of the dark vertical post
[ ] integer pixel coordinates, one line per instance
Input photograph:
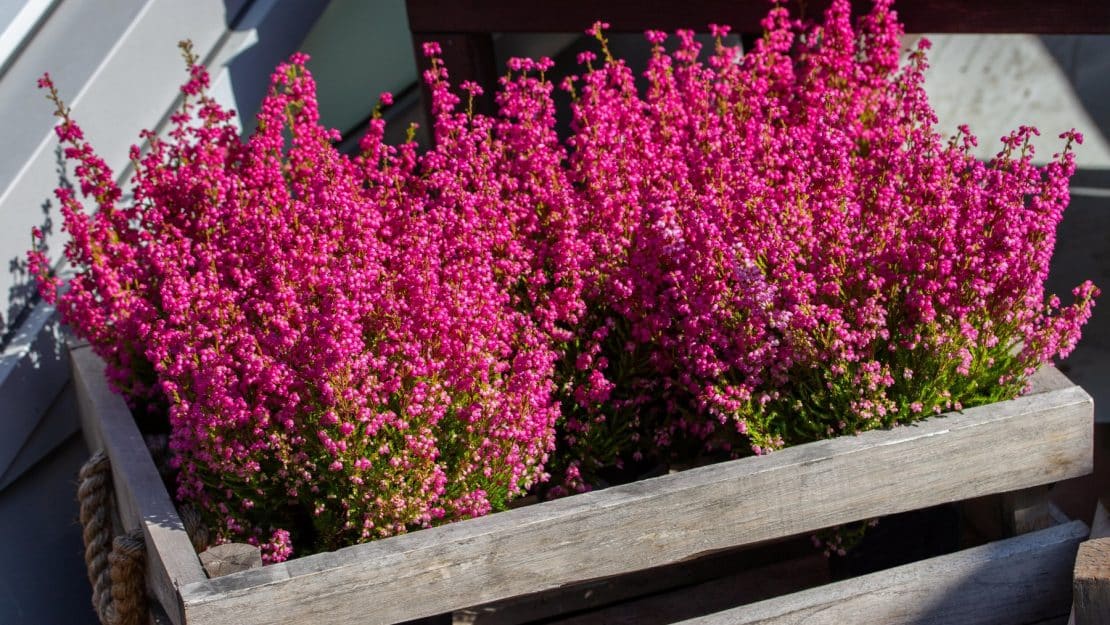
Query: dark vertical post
(747, 41)
(468, 56)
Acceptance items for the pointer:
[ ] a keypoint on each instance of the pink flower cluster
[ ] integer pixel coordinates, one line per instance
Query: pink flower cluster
(342, 342)
(756, 250)
(789, 250)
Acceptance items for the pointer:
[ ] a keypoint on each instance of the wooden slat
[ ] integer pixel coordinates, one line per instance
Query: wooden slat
(140, 496)
(762, 571)
(1021, 443)
(1092, 583)
(1091, 586)
(230, 558)
(1019, 580)
(774, 578)
(919, 16)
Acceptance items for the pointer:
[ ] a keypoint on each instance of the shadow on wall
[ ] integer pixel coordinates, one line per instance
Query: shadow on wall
(275, 29)
(1083, 253)
(1085, 61)
(278, 29)
(23, 294)
(1083, 238)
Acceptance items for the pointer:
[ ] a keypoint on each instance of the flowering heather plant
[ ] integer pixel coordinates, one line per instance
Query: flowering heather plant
(795, 252)
(335, 337)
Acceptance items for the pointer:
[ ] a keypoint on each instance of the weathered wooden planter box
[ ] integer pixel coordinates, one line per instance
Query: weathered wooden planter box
(1037, 439)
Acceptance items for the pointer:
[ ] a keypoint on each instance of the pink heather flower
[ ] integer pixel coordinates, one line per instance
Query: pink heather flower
(278, 549)
(597, 28)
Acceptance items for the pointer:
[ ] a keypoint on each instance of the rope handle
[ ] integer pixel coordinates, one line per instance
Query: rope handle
(115, 563)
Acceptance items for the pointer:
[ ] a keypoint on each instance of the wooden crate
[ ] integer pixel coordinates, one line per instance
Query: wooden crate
(1040, 438)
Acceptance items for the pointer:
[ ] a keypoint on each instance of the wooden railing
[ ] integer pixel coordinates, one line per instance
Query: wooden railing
(464, 29)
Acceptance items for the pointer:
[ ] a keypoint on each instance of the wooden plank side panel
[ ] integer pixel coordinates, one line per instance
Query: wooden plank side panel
(776, 578)
(1025, 442)
(140, 496)
(1091, 585)
(919, 16)
(1019, 580)
(657, 595)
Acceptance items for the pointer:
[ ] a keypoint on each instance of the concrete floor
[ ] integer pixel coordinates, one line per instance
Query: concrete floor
(992, 83)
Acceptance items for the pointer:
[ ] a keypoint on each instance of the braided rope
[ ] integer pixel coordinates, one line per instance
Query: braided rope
(126, 567)
(194, 527)
(114, 563)
(94, 494)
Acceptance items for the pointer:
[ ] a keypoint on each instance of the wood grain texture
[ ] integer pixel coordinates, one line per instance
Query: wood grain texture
(141, 499)
(753, 570)
(1018, 580)
(1092, 583)
(1091, 587)
(1025, 442)
(772, 579)
(919, 16)
(228, 558)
